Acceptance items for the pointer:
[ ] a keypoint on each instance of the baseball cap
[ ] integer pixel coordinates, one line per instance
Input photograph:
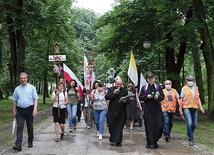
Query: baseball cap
(150, 74)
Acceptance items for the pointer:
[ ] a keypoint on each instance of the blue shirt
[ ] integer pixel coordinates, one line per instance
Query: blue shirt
(25, 95)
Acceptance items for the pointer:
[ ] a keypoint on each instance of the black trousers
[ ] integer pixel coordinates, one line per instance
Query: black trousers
(22, 115)
(78, 111)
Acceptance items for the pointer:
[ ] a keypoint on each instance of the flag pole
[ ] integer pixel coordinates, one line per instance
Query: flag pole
(128, 81)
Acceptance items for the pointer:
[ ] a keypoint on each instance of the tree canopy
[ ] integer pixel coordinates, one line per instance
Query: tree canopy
(180, 33)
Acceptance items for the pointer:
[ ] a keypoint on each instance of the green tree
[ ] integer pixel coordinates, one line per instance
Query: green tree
(170, 25)
(207, 48)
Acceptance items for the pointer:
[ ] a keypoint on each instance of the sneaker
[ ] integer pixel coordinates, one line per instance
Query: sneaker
(17, 147)
(156, 145)
(71, 130)
(167, 139)
(62, 136)
(57, 140)
(100, 136)
(98, 133)
(131, 130)
(88, 127)
(30, 144)
(150, 146)
(118, 144)
(191, 143)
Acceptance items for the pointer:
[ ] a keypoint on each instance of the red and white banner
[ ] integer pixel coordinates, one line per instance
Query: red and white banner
(69, 75)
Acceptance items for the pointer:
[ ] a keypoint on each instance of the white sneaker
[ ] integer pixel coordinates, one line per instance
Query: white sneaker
(100, 136)
(88, 127)
(98, 133)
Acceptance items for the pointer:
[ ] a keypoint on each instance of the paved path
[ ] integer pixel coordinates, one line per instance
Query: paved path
(84, 142)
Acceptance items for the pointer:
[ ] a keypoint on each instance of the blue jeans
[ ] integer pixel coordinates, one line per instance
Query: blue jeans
(168, 123)
(191, 117)
(72, 112)
(99, 116)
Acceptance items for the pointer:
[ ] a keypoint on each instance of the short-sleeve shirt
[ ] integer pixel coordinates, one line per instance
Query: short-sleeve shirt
(72, 97)
(25, 95)
(61, 99)
(99, 100)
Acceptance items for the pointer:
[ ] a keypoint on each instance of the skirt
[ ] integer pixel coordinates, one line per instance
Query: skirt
(59, 118)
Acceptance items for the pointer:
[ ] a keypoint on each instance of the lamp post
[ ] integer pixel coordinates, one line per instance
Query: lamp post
(146, 44)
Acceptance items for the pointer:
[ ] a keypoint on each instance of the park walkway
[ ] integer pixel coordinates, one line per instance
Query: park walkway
(84, 142)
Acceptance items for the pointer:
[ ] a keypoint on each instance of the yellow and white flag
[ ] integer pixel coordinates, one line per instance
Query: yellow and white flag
(132, 71)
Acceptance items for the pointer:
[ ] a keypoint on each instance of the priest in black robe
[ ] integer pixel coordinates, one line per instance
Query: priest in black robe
(116, 115)
(152, 95)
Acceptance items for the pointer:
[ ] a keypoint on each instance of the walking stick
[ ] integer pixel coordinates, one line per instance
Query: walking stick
(58, 107)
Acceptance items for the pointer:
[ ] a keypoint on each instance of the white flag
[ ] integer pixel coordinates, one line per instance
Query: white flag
(132, 71)
(142, 81)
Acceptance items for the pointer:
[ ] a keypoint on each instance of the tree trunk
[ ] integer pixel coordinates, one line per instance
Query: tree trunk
(21, 52)
(21, 42)
(51, 87)
(45, 84)
(207, 52)
(1, 95)
(1, 66)
(198, 74)
(173, 69)
(12, 65)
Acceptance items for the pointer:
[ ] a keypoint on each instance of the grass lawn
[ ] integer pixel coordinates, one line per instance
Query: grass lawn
(6, 109)
(203, 132)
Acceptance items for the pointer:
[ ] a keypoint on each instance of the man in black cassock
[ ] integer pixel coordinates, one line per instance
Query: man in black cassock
(152, 95)
(116, 115)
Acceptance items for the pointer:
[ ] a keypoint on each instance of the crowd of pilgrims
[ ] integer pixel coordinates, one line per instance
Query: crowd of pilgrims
(120, 107)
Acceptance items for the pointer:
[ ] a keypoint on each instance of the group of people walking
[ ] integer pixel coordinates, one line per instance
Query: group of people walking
(115, 104)
(160, 107)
